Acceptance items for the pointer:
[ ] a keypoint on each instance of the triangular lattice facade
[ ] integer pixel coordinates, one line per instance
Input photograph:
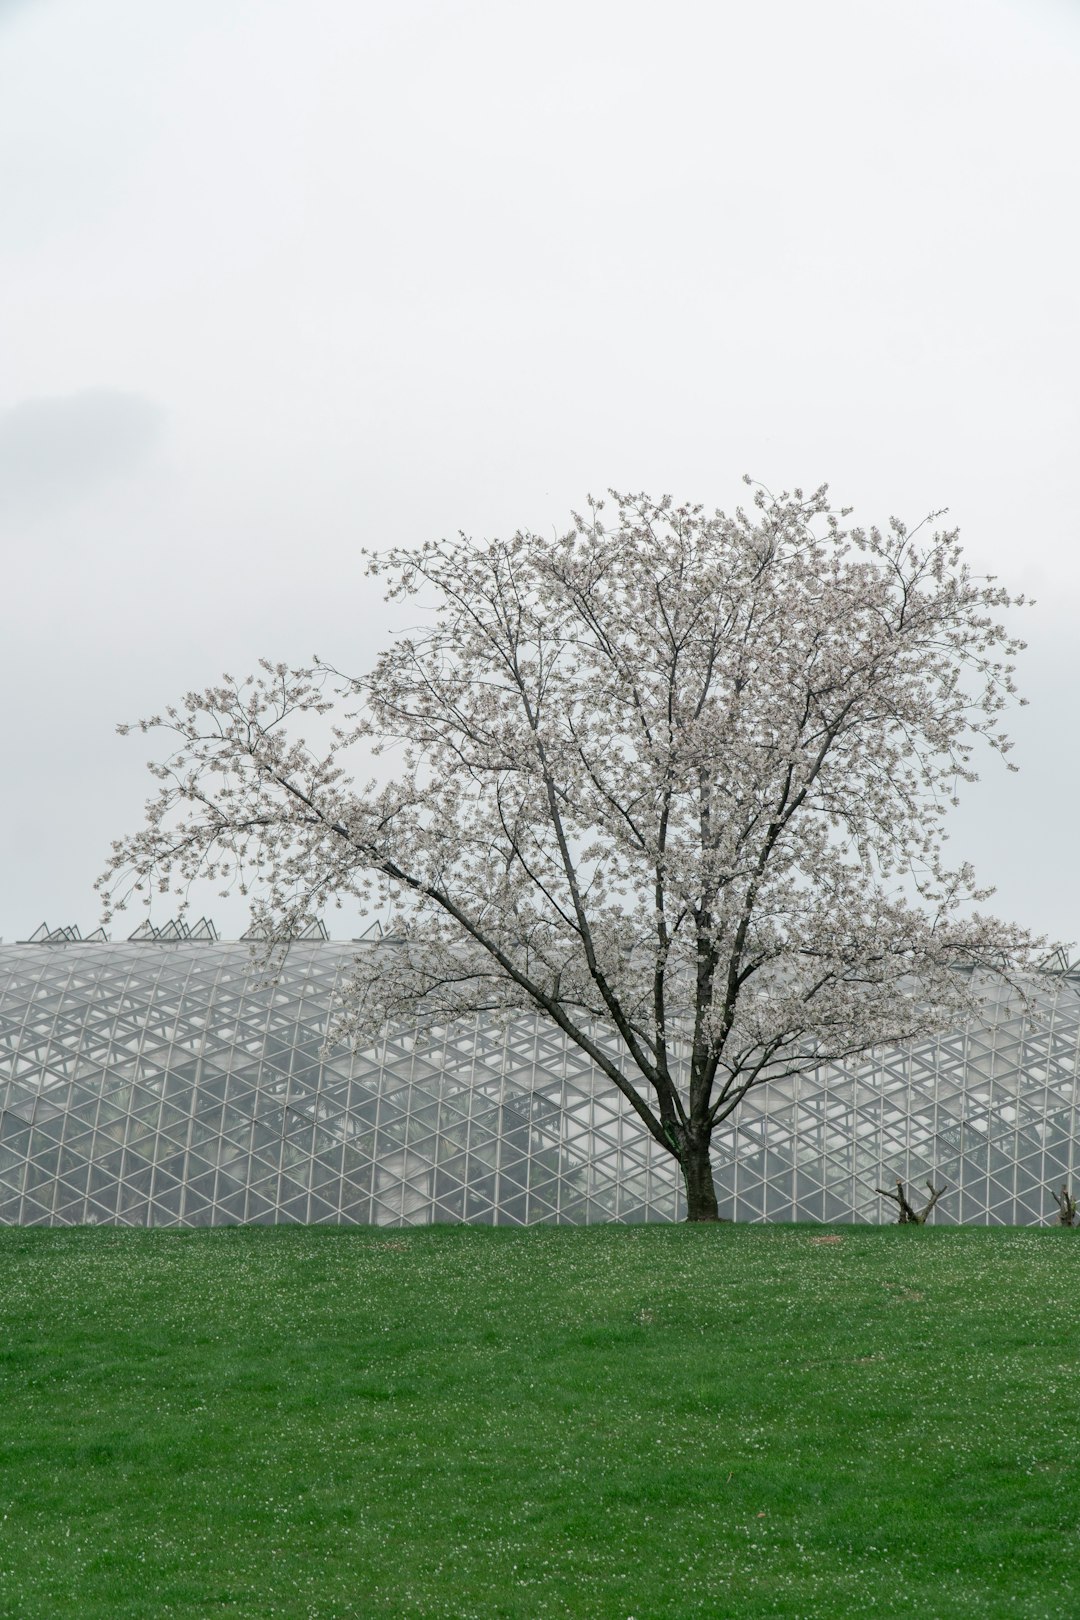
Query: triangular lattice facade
(164, 1082)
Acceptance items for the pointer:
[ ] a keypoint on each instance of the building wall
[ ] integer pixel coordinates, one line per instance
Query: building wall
(169, 1084)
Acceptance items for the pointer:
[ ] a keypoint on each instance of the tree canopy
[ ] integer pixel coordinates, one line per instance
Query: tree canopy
(671, 774)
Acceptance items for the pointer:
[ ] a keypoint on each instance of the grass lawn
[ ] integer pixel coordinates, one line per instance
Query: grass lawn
(653, 1422)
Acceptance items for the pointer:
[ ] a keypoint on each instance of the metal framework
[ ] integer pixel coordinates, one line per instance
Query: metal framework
(164, 1082)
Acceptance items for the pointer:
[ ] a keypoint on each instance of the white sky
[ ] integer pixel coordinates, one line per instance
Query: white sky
(280, 280)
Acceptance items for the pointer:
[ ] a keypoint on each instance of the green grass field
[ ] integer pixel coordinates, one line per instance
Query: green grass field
(653, 1422)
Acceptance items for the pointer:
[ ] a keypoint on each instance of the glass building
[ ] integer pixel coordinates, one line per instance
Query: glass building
(163, 1081)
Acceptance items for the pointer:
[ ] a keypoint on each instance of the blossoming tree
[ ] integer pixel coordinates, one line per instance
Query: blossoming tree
(675, 780)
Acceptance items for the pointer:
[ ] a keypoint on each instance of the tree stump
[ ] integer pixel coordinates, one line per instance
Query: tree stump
(909, 1215)
(1066, 1204)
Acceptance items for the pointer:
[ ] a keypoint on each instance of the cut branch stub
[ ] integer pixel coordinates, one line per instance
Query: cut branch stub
(909, 1215)
(1066, 1204)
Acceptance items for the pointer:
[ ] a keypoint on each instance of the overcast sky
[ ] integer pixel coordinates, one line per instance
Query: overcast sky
(280, 280)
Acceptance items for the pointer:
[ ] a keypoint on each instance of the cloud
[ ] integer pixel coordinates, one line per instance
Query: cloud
(54, 450)
(12, 8)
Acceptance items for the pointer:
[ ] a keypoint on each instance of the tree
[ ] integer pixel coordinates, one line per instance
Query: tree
(909, 1215)
(681, 778)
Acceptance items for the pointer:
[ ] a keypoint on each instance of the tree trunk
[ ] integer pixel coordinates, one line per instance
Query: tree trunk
(697, 1175)
(909, 1215)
